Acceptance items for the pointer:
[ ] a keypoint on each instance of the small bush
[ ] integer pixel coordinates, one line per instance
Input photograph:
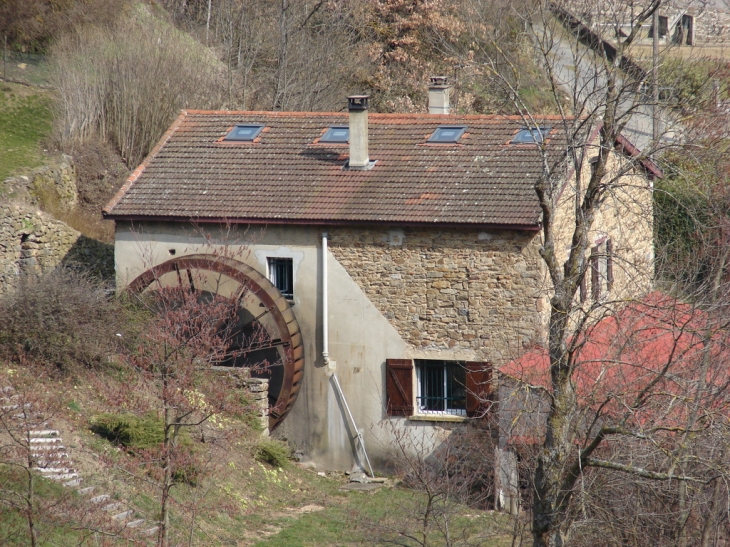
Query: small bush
(130, 431)
(276, 453)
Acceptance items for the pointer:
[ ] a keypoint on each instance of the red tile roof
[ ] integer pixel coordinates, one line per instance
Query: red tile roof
(286, 177)
(656, 344)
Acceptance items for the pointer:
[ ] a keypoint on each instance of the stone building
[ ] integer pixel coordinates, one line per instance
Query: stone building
(681, 22)
(392, 260)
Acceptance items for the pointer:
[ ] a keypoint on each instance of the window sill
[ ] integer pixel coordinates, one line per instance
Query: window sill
(438, 418)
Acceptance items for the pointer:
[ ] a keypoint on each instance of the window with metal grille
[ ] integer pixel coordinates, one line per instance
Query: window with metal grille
(441, 387)
(281, 274)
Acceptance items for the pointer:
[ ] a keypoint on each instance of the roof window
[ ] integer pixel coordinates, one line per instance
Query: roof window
(336, 133)
(447, 134)
(531, 135)
(244, 133)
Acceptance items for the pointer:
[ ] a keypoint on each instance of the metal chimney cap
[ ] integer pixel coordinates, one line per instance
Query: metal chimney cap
(357, 102)
(438, 81)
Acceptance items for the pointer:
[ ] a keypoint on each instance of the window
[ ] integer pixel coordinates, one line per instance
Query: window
(601, 271)
(336, 134)
(663, 27)
(244, 133)
(281, 274)
(684, 31)
(442, 388)
(531, 135)
(447, 134)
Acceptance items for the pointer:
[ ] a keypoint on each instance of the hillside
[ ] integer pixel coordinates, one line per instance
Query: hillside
(233, 486)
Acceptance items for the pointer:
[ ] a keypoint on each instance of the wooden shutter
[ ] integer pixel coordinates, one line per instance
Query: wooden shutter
(595, 275)
(609, 265)
(478, 388)
(399, 387)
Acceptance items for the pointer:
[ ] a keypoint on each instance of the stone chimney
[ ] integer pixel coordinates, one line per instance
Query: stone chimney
(357, 106)
(438, 95)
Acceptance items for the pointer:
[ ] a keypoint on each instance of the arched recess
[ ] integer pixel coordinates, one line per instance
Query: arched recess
(261, 307)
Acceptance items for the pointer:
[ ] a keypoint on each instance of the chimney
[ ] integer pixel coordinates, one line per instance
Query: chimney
(357, 107)
(438, 95)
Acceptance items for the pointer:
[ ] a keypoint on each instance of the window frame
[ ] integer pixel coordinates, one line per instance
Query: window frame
(601, 268)
(447, 386)
(327, 136)
(257, 126)
(537, 135)
(272, 264)
(436, 139)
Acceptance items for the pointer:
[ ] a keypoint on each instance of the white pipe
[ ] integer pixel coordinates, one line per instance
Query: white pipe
(358, 433)
(325, 310)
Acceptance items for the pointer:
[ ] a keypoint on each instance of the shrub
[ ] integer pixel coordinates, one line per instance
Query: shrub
(127, 83)
(63, 318)
(129, 430)
(273, 452)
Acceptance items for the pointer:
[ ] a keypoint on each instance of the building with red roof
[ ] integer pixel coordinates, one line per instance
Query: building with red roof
(391, 260)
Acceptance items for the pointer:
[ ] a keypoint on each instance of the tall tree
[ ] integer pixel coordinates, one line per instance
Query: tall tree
(599, 93)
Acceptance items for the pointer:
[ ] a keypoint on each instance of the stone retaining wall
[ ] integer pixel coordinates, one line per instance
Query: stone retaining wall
(32, 242)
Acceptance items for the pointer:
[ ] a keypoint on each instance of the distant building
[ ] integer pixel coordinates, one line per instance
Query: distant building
(681, 22)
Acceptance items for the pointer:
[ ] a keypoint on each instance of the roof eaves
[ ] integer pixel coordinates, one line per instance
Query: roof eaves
(325, 222)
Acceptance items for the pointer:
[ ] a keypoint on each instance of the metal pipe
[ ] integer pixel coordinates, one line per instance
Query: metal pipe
(360, 439)
(325, 303)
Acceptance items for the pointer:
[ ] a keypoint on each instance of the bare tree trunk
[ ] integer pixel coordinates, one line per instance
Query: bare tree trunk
(30, 513)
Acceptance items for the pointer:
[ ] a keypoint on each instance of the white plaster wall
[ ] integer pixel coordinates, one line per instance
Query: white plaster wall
(361, 338)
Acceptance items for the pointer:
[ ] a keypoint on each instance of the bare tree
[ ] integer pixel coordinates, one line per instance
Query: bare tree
(657, 429)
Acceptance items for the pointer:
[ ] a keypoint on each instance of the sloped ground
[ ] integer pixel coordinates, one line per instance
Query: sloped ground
(239, 502)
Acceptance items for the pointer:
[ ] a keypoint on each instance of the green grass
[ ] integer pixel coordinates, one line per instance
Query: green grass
(385, 516)
(53, 504)
(25, 120)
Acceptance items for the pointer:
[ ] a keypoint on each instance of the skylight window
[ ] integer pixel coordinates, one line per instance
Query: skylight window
(244, 133)
(530, 136)
(336, 134)
(447, 134)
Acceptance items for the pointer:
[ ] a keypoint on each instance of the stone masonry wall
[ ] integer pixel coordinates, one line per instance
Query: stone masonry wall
(479, 292)
(32, 243)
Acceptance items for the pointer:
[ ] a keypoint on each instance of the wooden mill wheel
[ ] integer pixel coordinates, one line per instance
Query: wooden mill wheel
(261, 309)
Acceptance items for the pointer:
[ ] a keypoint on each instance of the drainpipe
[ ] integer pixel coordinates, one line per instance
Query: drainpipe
(325, 310)
(331, 365)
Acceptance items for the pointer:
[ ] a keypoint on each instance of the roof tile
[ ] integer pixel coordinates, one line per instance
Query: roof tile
(286, 178)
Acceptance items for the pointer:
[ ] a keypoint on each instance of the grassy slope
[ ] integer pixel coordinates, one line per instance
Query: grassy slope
(25, 119)
(241, 502)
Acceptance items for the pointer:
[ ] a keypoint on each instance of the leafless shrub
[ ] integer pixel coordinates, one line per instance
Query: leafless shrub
(127, 83)
(62, 319)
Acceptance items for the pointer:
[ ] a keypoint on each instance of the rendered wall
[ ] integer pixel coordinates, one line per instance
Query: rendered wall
(392, 294)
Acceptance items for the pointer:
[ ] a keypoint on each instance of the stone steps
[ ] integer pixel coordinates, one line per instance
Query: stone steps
(53, 462)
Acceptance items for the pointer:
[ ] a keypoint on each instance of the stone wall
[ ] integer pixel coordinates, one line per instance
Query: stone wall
(450, 289)
(32, 242)
(55, 181)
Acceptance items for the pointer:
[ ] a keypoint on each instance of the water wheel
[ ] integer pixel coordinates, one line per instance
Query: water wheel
(261, 309)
